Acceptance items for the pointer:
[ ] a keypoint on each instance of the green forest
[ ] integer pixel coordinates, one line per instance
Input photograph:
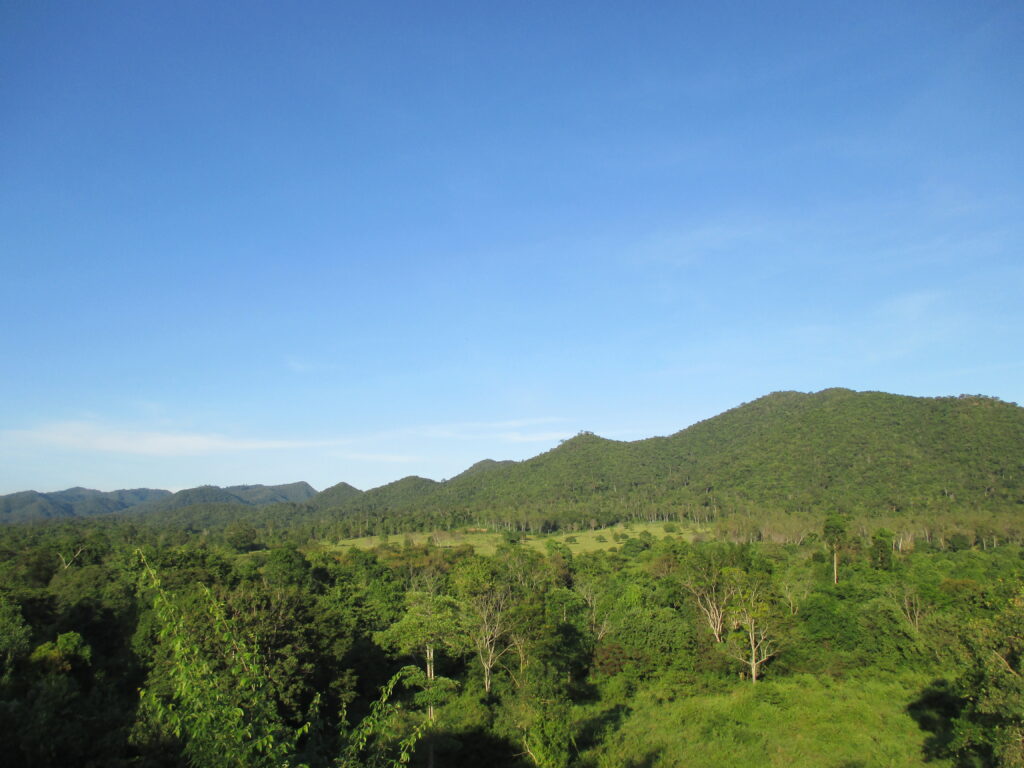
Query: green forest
(833, 579)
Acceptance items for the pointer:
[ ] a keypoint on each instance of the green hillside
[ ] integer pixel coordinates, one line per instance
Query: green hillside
(26, 506)
(245, 495)
(272, 494)
(835, 450)
(334, 496)
(863, 453)
(73, 502)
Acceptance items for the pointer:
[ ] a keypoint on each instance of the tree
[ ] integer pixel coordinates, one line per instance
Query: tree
(430, 622)
(485, 600)
(834, 534)
(992, 720)
(754, 641)
(241, 536)
(14, 635)
(216, 695)
(881, 549)
(707, 574)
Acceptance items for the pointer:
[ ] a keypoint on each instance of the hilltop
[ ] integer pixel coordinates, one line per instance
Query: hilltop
(837, 450)
(787, 452)
(85, 502)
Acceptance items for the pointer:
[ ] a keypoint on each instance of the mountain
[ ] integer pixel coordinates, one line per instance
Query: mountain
(831, 451)
(834, 450)
(482, 466)
(74, 502)
(245, 495)
(334, 496)
(273, 494)
(85, 502)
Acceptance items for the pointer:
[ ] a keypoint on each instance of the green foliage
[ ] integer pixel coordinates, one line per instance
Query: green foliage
(215, 696)
(373, 742)
(991, 723)
(801, 722)
(66, 653)
(542, 653)
(856, 453)
(287, 567)
(15, 635)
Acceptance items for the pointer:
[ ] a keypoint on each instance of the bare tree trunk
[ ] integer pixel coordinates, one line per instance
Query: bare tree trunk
(430, 679)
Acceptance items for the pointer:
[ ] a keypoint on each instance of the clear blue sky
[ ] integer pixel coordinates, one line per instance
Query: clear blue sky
(273, 241)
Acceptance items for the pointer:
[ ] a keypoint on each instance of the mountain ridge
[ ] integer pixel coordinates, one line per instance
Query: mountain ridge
(836, 449)
(787, 451)
(78, 502)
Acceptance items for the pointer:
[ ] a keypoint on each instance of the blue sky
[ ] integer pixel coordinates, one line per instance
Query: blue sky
(266, 242)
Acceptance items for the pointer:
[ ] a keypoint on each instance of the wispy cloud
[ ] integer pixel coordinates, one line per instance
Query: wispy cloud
(689, 247)
(909, 307)
(305, 365)
(99, 437)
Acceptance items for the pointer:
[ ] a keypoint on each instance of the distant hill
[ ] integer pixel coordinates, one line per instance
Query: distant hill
(245, 495)
(485, 465)
(273, 494)
(84, 502)
(835, 450)
(829, 451)
(334, 496)
(74, 502)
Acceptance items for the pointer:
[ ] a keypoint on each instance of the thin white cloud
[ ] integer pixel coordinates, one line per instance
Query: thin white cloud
(99, 438)
(690, 247)
(910, 307)
(94, 436)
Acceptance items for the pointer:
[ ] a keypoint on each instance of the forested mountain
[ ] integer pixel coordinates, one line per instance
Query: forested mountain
(806, 580)
(839, 450)
(334, 496)
(863, 453)
(272, 494)
(248, 495)
(74, 502)
(85, 502)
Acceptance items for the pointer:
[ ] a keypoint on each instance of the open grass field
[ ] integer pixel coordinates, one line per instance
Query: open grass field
(487, 542)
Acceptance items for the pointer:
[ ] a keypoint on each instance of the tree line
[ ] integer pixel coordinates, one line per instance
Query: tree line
(131, 645)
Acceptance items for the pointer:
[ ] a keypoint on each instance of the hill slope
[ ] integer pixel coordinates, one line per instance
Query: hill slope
(74, 502)
(788, 451)
(85, 502)
(244, 495)
(835, 450)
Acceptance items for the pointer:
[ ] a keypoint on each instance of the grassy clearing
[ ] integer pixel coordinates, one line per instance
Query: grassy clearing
(487, 542)
(794, 722)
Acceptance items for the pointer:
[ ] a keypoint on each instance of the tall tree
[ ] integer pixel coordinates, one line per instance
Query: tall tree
(834, 533)
(755, 618)
(485, 601)
(708, 574)
(430, 623)
(216, 695)
(992, 721)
